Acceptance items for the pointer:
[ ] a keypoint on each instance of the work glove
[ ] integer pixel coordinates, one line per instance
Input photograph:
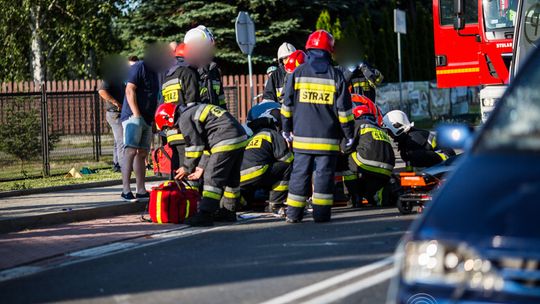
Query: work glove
(288, 136)
(349, 142)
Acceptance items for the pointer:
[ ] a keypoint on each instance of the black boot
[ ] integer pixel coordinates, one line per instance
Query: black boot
(201, 219)
(225, 215)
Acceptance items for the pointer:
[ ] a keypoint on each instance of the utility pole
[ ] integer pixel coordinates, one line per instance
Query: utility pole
(400, 27)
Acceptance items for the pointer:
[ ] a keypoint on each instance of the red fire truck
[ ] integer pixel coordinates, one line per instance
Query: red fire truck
(473, 45)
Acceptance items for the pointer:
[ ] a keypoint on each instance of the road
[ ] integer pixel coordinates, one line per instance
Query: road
(254, 261)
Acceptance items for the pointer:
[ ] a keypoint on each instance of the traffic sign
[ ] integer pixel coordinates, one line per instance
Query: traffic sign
(245, 33)
(400, 21)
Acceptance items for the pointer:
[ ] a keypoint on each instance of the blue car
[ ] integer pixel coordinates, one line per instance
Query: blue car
(479, 240)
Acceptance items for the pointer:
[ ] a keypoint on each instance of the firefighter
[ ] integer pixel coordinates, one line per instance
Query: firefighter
(370, 157)
(358, 100)
(267, 161)
(211, 86)
(316, 113)
(180, 86)
(417, 147)
(364, 80)
(274, 86)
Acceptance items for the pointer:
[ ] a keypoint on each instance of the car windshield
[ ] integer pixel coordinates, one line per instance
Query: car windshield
(516, 125)
(499, 14)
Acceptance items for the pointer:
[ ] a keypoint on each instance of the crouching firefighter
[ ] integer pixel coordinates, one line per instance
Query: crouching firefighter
(317, 110)
(209, 127)
(417, 147)
(267, 161)
(371, 157)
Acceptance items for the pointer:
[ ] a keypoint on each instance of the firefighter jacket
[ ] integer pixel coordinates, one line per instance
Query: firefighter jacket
(317, 106)
(211, 86)
(180, 86)
(364, 79)
(419, 148)
(211, 128)
(273, 90)
(265, 148)
(372, 147)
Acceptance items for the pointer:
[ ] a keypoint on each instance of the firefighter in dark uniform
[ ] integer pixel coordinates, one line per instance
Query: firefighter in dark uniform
(180, 86)
(371, 157)
(364, 80)
(267, 161)
(417, 147)
(211, 128)
(316, 114)
(273, 89)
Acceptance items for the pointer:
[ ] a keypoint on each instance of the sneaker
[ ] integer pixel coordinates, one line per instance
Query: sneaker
(143, 197)
(200, 219)
(129, 197)
(225, 215)
(116, 168)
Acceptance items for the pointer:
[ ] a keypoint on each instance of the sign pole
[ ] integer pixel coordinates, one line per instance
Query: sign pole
(250, 68)
(399, 68)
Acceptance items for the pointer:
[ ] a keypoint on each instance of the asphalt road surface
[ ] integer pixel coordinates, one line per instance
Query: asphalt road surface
(261, 260)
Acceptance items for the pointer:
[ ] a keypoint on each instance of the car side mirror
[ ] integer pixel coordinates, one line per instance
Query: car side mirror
(454, 136)
(459, 12)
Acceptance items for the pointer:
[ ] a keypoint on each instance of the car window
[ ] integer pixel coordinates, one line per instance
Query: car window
(448, 17)
(516, 124)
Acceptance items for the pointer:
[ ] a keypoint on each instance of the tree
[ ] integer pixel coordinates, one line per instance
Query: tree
(324, 22)
(20, 135)
(61, 37)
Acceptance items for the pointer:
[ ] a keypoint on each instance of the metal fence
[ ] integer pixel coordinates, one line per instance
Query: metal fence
(71, 116)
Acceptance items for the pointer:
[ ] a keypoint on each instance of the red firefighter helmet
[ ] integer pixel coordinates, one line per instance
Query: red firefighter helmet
(359, 100)
(321, 40)
(362, 110)
(180, 50)
(295, 59)
(164, 116)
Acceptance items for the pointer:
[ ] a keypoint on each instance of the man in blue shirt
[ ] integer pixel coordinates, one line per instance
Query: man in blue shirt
(141, 100)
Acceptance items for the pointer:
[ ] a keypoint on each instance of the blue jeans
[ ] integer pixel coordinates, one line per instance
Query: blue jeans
(137, 133)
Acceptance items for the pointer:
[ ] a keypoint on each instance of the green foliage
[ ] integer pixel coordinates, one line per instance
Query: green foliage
(324, 22)
(75, 34)
(20, 135)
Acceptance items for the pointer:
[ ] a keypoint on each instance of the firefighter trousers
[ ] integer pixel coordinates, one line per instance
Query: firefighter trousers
(275, 179)
(367, 185)
(221, 179)
(308, 170)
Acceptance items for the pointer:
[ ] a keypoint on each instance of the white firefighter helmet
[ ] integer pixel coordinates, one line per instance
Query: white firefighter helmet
(397, 122)
(285, 50)
(200, 34)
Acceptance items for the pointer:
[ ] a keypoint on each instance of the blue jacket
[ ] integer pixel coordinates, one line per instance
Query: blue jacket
(317, 106)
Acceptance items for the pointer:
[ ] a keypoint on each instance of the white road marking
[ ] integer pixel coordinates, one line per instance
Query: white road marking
(17, 272)
(317, 287)
(351, 289)
(100, 250)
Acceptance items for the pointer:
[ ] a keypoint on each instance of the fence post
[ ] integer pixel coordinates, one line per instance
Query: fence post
(45, 131)
(97, 123)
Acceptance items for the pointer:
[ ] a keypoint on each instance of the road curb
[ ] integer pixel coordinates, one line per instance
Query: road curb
(72, 187)
(77, 215)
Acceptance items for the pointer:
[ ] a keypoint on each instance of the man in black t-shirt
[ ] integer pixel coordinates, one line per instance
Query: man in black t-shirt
(112, 91)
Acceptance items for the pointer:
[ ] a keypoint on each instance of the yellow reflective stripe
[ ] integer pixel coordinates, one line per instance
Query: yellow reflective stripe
(315, 146)
(212, 195)
(188, 203)
(345, 119)
(293, 203)
(254, 174)
(268, 138)
(370, 168)
(232, 147)
(376, 133)
(228, 194)
(285, 113)
(322, 201)
(289, 159)
(281, 187)
(175, 137)
(158, 207)
(315, 87)
(442, 156)
(350, 177)
(204, 113)
(457, 71)
(194, 154)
